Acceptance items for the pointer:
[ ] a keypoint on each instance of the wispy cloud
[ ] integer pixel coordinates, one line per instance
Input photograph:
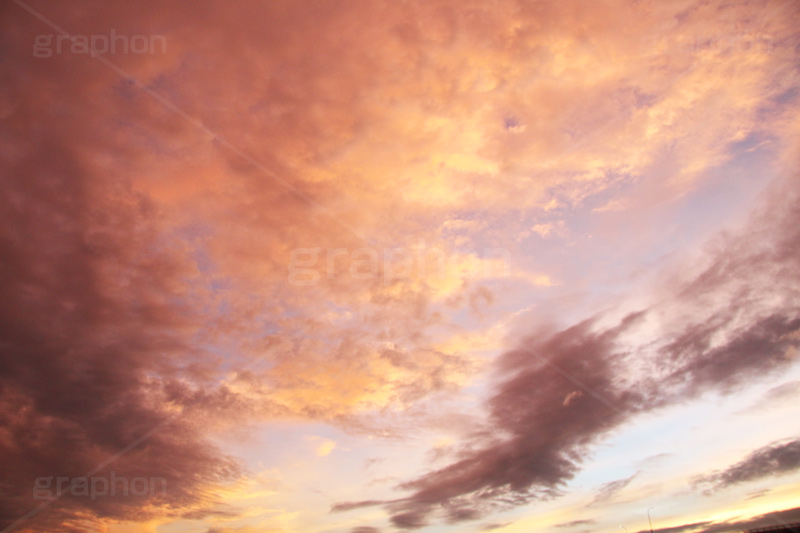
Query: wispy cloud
(771, 460)
(608, 490)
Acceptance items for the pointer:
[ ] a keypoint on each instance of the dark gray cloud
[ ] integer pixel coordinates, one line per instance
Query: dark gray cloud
(562, 391)
(92, 326)
(772, 460)
(532, 463)
(778, 518)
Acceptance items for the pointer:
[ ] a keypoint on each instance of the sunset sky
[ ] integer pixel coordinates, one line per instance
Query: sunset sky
(350, 266)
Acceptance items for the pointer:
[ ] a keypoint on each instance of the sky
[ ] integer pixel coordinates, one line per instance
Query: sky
(423, 265)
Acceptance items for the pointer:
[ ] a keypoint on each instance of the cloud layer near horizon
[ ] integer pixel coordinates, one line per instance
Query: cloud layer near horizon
(777, 519)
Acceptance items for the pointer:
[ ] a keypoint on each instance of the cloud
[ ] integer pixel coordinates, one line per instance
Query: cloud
(771, 460)
(653, 460)
(527, 463)
(695, 526)
(574, 523)
(625, 369)
(326, 448)
(245, 529)
(774, 519)
(145, 255)
(608, 490)
(773, 396)
(143, 259)
(95, 321)
(322, 446)
(348, 506)
(758, 494)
